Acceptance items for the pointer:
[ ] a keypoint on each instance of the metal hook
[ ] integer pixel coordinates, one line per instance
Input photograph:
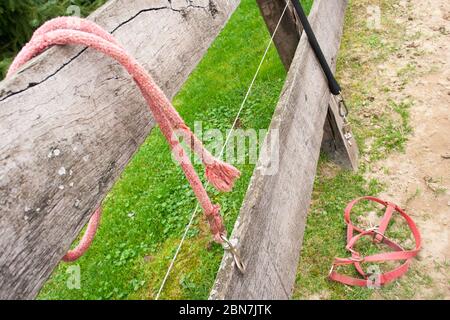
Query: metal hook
(343, 112)
(343, 108)
(228, 246)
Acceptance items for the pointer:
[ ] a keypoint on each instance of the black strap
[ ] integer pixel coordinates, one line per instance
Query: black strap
(335, 88)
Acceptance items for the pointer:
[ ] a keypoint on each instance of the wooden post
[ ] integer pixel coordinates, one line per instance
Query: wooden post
(269, 230)
(288, 34)
(334, 144)
(72, 119)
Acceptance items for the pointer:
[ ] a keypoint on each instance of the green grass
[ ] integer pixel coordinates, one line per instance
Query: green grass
(147, 210)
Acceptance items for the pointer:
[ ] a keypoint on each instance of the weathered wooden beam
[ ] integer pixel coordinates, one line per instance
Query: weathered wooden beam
(269, 230)
(334, 144)
(71, 120)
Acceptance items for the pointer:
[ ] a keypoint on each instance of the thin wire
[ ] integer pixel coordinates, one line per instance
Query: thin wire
(194, 213)
(254, 78)
(247, 95)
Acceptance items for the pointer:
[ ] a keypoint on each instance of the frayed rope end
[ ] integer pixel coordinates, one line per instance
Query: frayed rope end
(222, 175)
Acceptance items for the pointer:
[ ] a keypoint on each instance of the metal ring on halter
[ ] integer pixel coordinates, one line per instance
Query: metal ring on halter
(229, 247)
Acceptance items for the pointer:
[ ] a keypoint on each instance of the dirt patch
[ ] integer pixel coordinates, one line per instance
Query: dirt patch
(419, 178)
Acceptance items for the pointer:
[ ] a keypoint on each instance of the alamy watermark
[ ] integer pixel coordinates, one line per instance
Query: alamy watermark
(235, 146)
(74, 277)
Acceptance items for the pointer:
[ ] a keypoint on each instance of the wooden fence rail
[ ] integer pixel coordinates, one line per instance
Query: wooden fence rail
(72, 119)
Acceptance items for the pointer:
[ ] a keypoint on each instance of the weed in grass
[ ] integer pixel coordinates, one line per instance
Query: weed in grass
(146, 212)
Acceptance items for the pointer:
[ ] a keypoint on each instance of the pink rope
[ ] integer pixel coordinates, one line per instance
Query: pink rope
(71, 30)
(87, 238)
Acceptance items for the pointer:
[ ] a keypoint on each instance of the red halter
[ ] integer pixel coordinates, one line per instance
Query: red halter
(378, 236)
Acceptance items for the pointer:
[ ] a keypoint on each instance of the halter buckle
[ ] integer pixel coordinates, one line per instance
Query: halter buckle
(376, 233)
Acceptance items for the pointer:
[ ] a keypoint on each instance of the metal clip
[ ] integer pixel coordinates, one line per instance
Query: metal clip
(228, 246)
(343, 109)
(343, 112)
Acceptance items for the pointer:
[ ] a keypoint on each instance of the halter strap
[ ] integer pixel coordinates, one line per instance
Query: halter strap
(378, 236)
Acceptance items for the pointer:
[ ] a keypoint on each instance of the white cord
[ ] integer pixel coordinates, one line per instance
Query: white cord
(194, 213)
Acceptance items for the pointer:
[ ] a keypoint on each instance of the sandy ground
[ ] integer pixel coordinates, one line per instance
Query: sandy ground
(419, 178)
